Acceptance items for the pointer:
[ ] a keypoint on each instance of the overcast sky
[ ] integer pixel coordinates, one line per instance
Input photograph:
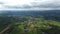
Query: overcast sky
(29, 4)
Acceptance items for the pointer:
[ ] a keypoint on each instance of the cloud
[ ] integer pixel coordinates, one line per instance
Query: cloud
(1, 3)
(31, 4)
(47, 4)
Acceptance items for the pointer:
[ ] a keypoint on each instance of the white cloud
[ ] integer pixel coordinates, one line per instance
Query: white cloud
(30, 4)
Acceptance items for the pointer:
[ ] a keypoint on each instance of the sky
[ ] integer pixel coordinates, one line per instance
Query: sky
(29, 4)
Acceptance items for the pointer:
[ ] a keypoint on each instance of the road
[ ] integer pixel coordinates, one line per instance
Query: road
(5, 29)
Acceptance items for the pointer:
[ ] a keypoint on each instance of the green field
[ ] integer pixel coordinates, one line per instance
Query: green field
(30, 22)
